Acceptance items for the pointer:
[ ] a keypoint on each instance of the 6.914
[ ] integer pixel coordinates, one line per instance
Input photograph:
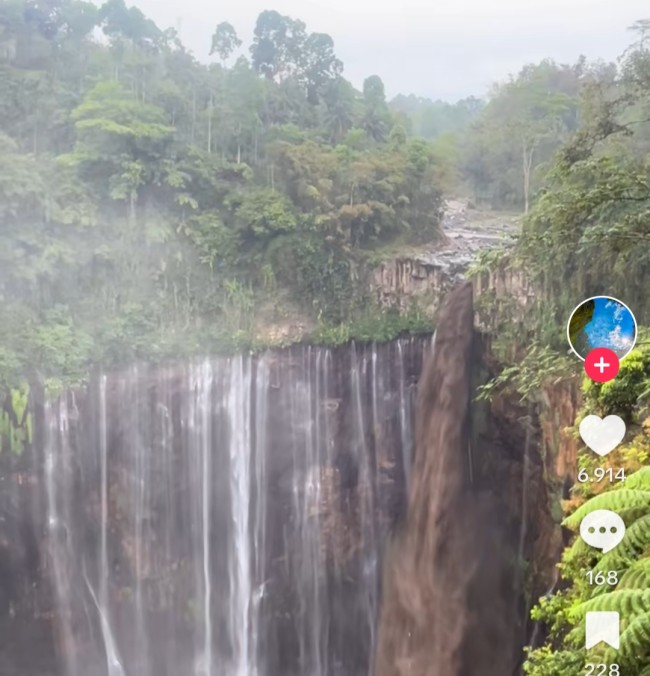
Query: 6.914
(601, 474)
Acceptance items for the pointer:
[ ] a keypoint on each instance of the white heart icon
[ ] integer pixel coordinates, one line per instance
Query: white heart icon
(602, 435)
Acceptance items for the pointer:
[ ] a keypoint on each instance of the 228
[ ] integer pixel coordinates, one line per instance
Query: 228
(601, 670)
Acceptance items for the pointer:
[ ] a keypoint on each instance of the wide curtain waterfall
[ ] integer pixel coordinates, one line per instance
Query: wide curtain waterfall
(226, 517)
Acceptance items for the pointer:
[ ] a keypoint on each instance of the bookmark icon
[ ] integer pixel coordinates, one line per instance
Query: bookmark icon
(603, 627)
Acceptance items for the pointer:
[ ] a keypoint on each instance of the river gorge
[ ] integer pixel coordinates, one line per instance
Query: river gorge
(306, 511)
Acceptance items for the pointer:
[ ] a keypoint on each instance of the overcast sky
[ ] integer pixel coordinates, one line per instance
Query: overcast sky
(444, 49)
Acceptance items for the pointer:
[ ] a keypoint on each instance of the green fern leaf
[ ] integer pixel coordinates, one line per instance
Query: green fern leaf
(640, 480)
(635, 540)
(635, 640)
(637, 576)
(615, 501)
(577, 550)
(630, 603)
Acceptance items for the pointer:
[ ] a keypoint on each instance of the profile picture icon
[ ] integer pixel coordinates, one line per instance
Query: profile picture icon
(602, 322)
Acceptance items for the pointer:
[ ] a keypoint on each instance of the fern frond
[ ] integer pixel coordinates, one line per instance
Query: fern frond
(640, 480)
(628, 602)
(635, 640)
(637, 576)
(635, 540)
(615, 501)
(577, 550)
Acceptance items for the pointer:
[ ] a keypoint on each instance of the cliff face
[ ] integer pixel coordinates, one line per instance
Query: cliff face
(220, 517)
(424, 277)
(561, 403)
(402, 281)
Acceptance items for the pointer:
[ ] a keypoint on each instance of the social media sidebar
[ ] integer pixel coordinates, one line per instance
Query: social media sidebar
(602, 331)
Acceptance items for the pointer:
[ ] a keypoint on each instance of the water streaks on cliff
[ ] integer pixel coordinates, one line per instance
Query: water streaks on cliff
(228, 515)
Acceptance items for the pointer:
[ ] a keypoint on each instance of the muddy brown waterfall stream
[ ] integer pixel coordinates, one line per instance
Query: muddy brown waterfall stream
(448, 603)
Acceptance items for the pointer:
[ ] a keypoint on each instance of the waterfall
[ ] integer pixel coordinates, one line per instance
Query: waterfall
(229, 515)
(113, 663)
(441, 616)
(238, 406)
(201, 440)
(259, 508)
(54, 456)
(424, 615)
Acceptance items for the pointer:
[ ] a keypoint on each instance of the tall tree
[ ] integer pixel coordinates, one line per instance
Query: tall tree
(128, 23)
(277, 45)
(516, 134)
(376, 116)
(319, 65)
(122, 139)
(224, 41)
(340, 108)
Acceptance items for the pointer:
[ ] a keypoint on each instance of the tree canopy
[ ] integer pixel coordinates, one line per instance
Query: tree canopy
(147, 198)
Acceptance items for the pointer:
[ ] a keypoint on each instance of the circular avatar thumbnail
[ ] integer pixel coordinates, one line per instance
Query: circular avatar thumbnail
(602, 322)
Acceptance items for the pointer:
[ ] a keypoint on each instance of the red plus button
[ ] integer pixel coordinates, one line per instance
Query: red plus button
(602, 365)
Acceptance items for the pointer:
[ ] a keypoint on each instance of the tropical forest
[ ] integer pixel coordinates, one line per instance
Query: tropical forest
(285, 385)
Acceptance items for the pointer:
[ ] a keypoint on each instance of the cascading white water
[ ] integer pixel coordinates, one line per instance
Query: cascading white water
(103, 483)
(358, 375)
(259, 523)
(228, 516)
(113, 662)
(141, 484)
(200, 443)
(304, 562)
(206, 493)
(239, 414)
(57, 429)
(405, 412)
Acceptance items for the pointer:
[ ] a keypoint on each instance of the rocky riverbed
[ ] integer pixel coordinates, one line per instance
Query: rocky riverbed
(424, 275)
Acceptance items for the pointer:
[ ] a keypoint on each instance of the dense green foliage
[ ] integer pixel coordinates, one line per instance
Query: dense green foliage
(589, 231)
(517, 133)
(586, 233)
(563, 611)
(16, 420)
(151, 205)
